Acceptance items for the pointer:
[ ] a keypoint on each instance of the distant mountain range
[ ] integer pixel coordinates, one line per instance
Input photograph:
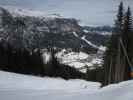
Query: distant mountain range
(90, 12)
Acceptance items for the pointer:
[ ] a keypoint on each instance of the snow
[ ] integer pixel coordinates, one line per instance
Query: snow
(88, 42)
(97, 61)
(102, 33)
(102, 48)
(86, 31)
(106, 33)
(18, 11)
(12, 81)
(75, 34)
(74, 59)
(72, 55)
(78, 60)
(22, 87)
(76, 64)
(46, 57)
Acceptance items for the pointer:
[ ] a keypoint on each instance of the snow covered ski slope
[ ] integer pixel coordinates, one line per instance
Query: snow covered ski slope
(22, 87)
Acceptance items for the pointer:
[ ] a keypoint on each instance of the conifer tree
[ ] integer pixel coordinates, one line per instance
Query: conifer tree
(128, 42)
(119, 20)
(112, 49)
(119, 55)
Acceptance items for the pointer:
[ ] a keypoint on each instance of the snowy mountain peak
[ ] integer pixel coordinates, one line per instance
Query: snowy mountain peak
(16, 11)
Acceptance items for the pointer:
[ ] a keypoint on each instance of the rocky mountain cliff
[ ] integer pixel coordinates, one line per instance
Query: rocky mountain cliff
(42, 32)
(22, 30)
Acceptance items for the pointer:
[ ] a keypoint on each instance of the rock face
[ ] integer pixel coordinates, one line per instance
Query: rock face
(41, 32)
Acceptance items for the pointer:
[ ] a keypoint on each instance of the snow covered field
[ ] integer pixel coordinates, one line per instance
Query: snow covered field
(79, 60)
(17, 81)
(22, 87)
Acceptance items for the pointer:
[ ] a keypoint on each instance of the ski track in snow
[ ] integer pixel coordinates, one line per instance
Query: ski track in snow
(88, 42)
(102, 48)
(75, 34)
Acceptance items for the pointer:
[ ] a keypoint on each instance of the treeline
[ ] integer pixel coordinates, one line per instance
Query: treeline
(20, 60)
(23, 61)
(118, 58)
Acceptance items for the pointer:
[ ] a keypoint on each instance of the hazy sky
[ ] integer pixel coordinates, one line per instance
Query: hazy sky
(90, 12)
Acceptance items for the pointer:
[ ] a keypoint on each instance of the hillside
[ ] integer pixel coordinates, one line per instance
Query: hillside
(15, 86)
(36, 30)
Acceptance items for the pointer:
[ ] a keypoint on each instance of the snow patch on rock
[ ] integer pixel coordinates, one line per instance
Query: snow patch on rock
(88, 42)
(75, 34)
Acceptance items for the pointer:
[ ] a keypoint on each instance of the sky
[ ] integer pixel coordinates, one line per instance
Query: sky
(88, 12)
